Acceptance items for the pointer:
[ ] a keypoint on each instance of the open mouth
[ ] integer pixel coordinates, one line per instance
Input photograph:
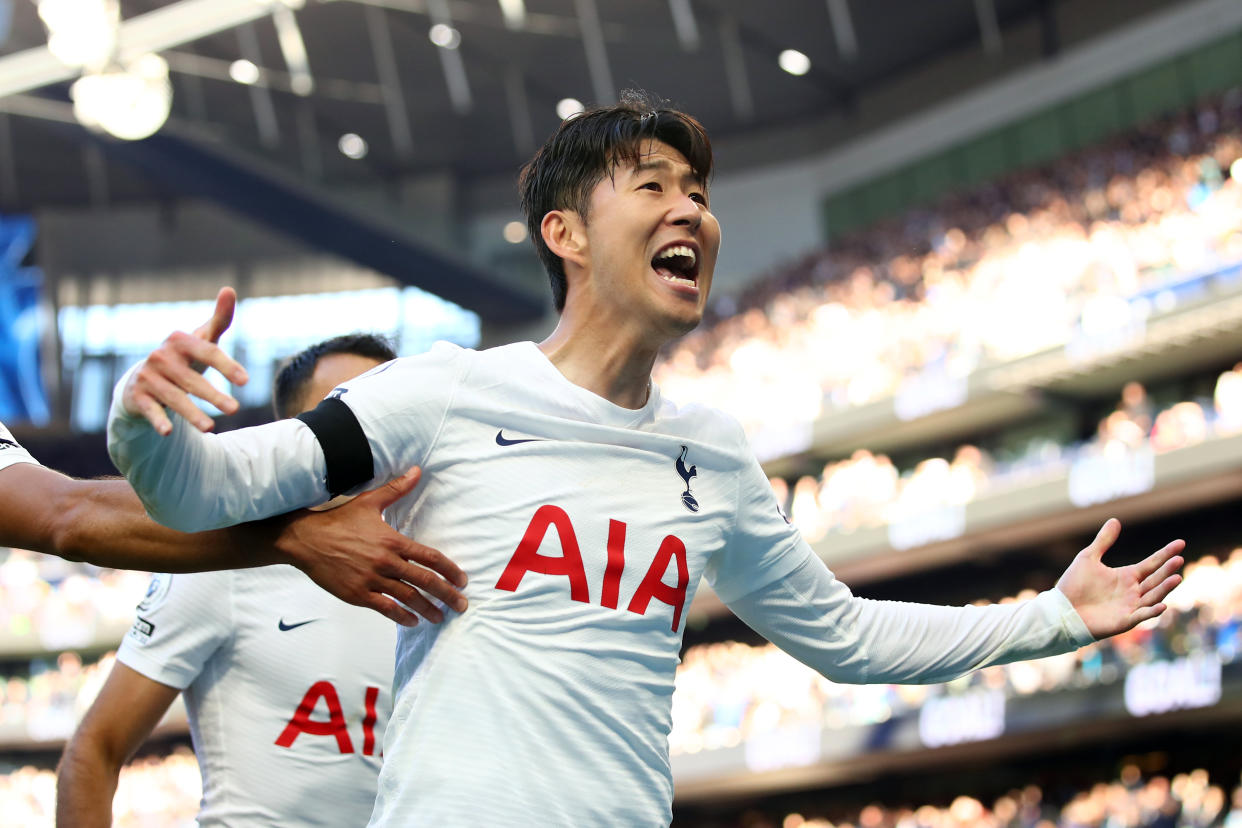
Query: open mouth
(677, 263)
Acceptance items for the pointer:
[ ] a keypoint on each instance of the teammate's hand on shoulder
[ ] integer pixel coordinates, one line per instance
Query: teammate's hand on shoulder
(1111, 600)
(173, 372)
(353, 554)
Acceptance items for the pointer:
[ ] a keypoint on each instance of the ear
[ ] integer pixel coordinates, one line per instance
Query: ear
(564, 233)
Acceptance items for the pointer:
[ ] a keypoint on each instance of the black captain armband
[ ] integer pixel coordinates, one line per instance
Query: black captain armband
(345, 446)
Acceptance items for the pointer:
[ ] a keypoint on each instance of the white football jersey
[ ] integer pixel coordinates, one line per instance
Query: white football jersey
(585, 528)
(11, 451)
(288, 692)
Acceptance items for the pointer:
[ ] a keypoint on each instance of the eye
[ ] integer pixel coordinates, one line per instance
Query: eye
(654, 186)
(699, 197)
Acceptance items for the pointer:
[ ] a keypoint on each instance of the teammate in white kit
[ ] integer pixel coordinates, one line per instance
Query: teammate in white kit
(288, 689)
(585, 507)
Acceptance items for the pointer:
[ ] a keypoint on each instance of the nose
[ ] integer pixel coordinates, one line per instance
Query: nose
(686, 212)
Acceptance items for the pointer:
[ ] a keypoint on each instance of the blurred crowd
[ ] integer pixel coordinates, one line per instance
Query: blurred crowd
(154, 792)
(729, 692)
(43, 700)
(1188, 800)
(52, 604)
(1090, 245)
(868, 490)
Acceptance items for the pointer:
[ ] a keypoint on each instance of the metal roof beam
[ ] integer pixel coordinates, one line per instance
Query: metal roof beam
(155, 31)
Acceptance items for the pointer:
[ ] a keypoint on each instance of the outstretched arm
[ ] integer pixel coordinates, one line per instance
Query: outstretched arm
(348, 551)
(816, 619)
(127, 709)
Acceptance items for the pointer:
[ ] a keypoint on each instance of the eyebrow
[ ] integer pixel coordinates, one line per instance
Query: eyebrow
(664, 165)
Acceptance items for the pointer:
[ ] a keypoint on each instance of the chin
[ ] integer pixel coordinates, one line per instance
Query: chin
(680, 326)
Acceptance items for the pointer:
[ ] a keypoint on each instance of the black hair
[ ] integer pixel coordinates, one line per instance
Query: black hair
(589, 146)
(295, 375)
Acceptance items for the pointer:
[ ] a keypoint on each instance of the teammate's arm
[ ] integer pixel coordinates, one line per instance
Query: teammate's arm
(816, 619)
(127, 709)
(348, 551)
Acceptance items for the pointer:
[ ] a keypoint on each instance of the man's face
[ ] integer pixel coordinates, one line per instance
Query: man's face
(652, 241)
(333, 370)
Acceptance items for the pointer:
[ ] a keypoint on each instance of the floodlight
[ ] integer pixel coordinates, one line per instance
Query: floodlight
(130, 102)
(567, 108)
(794, 62)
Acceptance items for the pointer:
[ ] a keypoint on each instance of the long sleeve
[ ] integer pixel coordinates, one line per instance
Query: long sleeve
(814, 617)
(192, 481)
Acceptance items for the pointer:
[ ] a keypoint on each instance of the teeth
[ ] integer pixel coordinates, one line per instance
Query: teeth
(679, 250)
(678, 280)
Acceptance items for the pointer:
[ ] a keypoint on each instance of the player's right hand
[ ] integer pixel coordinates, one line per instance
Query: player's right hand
(172, 373)
(352, 553)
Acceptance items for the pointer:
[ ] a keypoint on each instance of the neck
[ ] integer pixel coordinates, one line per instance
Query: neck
(608, 360)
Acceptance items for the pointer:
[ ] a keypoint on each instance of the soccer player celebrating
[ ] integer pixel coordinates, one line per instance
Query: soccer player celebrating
(288, 689)
(586, 506)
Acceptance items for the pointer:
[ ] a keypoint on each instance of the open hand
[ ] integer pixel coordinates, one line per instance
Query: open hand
(173, 372)
(1112, 600)
(353, 554)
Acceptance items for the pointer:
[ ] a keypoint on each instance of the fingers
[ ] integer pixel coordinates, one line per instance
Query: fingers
(189, 349)
(221, 317)
(1161, 591)
(174, 368)
(432, 584)
(1146, 614)
(1169, 563)
(391, 610)
(414, 600)
(394, 489)
(149, 408)
(1105, 538)
(1159, 558)
(160, 393)
(415, 557)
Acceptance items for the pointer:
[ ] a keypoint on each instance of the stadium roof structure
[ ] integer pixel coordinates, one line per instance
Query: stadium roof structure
(284, 110)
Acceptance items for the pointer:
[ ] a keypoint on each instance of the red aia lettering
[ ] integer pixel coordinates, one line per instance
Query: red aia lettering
(653, 585)
(526, 558)
(302, 722)
(335, 726)
(368, 723)
(616, 564)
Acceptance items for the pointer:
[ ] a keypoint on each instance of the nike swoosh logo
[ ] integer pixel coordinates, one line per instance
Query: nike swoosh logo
(283, 627)
(502, 440)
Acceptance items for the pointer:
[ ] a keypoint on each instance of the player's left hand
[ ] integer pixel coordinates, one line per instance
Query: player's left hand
(1113, 600)
(352, 553)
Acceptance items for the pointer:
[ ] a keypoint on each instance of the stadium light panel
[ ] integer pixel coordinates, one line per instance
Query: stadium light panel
(794, 62)
(244, 71)
(567, 108)
(444, 36)
(515, 232)
(129, 103)
(352, 145)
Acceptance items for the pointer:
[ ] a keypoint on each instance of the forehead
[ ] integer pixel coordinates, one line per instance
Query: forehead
(335, 369)
(654, 155)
